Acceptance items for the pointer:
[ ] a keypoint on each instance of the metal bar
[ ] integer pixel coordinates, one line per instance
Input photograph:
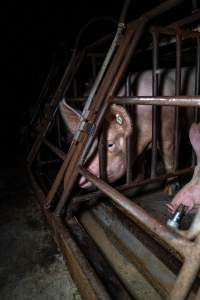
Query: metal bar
(103, 154)
(54, 149)
(87, 281)
(129, 144)
(155, 37)
(185, 21)
(126, 189)
(43, 93)
(172, 31)
(197, 76)
(119, 65)
(74, 157)
(197, 79)
(97, 260)
(160, 232)
(66, 80)
(186, 101)
(187, 274)
(81, 148)
(158, 10)
(177, 93)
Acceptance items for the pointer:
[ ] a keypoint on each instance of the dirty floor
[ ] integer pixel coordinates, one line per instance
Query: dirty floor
(30, 265)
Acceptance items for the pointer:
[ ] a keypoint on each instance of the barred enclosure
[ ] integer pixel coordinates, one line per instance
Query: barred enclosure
(112, 229)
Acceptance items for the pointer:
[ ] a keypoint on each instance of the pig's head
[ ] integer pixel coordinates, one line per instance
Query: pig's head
(118, 128)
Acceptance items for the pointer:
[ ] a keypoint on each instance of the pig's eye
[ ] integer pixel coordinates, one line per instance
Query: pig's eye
(111, 145)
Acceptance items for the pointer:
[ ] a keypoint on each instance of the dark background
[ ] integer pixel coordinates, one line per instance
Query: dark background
(31, 34)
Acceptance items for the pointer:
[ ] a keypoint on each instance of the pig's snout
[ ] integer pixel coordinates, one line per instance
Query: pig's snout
(92, 167)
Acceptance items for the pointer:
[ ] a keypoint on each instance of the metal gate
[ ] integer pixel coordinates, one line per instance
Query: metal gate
(123, 218)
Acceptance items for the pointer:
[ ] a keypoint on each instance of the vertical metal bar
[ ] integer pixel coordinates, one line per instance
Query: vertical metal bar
(103, 154)
(129, 141)
(197, 78)
(177, 93)
(155, 37)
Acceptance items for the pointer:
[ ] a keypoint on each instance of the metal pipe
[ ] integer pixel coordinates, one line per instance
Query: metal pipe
(160, 9)
(61, 90)
(177, 93)
(160, 232)
(128, 189)
(103, 154)
(186, 101)
(187, 274)
(54, 149)
(129, 141)
(155, 37)
(197, 79)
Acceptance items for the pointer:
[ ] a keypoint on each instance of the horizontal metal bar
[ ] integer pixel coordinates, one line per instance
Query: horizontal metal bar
(187, 101)
(172, 31)
(128, 189)
(159, 232)
(187, 20)
(54, 149)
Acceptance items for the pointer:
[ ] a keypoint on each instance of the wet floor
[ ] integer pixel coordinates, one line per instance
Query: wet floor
(30, 265)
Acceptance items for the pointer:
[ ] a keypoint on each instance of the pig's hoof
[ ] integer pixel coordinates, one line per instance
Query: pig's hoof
(172, 188)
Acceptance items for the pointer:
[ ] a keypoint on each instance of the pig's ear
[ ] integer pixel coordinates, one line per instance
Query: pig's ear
(121, 117)
(70, 116)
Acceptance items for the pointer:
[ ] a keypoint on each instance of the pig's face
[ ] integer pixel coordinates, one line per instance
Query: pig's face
(118, 128)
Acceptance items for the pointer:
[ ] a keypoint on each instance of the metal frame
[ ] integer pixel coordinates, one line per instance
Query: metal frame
(184, 245)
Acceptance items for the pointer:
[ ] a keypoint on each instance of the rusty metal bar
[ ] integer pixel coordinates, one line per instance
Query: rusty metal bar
(103, 154)
(102, 95)
(72, 160)
(160, 232)
(65, 82)
(177, 93)
(160, 9)
(186, 101)
(172, 31)
(129, 141)
(54, 149)
(197, 76)
(43, 93)
(127, 189)
(185, 21)
(155, 37)
(87, 281)
(197, 79)
(81, 148)
(187, 274)
(97, 260)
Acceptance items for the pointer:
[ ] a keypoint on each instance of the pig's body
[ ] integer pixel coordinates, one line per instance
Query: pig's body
(120, 125)
(189, 195)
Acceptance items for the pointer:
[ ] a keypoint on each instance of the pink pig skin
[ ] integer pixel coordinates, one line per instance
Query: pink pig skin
(189, 195)
(141, 125)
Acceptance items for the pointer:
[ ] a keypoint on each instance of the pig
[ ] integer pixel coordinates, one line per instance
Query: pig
(189, 195)
(120, 125)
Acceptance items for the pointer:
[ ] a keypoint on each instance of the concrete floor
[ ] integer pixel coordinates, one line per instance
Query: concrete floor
(30, 265)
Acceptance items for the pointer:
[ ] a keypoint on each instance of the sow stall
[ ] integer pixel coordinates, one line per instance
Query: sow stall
(114, 237)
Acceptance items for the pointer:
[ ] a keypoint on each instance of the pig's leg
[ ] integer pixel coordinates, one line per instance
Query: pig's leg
(167, 136)
(167, 145)
(189, 195)
(194, 135)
